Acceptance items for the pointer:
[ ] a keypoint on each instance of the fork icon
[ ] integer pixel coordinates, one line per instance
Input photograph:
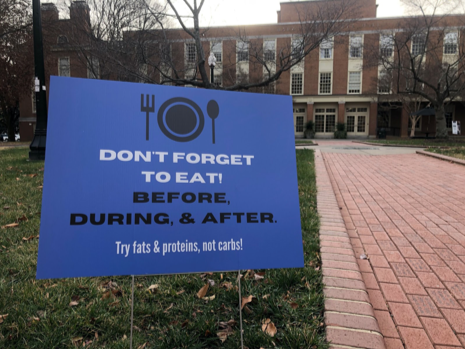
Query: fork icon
(147, 109)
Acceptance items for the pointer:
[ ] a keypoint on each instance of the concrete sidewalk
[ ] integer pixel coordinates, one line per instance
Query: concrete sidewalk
(406, 212)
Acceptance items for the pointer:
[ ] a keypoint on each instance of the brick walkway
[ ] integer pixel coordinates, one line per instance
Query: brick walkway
(407, 214)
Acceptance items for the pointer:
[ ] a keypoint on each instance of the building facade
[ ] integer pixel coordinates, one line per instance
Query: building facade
(340, 81)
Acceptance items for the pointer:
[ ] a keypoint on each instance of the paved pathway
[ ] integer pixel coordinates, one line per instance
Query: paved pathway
(406, 212)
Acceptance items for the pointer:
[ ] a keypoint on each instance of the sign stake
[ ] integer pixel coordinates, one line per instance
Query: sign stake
(240, 309)
(132, 310)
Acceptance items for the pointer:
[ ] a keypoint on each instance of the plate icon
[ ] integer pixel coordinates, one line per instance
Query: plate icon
(180, 119)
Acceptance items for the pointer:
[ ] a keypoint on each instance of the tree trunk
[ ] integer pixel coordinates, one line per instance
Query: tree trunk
(412, 131)
(441, 127)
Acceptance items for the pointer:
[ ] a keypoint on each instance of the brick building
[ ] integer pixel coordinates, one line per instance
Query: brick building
(341, 81)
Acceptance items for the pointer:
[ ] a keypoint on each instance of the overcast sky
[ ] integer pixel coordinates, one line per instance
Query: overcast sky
(230, 12)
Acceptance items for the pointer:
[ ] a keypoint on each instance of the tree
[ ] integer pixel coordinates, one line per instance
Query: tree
(424, 59)
(15, 60)
(320, 25)
(138, 41)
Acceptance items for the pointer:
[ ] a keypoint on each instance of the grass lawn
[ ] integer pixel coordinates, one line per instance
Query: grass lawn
(455, 152)
(425, 143)
(303, 141)
(95, 312)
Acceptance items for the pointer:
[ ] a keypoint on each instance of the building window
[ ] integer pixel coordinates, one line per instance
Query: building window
(191, 53)
(386, 46)
(450, 43)
(217, 49)
(297, 84)
(354, 82)
(270, 88)
(93, 70)
(218, 80)
(384, 82)
(418, 45)
(242, 51)
(298, 48)
(449, 117)
(269, 50)
(325, 83)
(325, 120)
(63, 67)
(355, 46)
(62, 39)
(326, 49)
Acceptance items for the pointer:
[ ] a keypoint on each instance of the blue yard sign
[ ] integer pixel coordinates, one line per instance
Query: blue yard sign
(145, 179)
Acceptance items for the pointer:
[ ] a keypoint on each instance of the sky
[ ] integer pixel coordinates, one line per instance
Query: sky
(230, 12)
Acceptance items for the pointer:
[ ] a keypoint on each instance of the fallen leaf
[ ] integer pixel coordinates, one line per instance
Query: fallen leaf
(73, 303)
(137, 328)
(294, 305)
(21, 219)
(76, 339)
(227, 285)
(166, 310)
(269, 328)
(209, 298)
(203, 291)
(32, 175)
(125, 337)
(247, 310)
(185, 323)
(153, 287)
(180, 292)
(3, 317)
(142, 346)
(246, 300)
(257, 277)
(114, 303)
(226, 324)
(11, 225)
(266, 296)
(211, 282)
(6, 207)
(223, 334)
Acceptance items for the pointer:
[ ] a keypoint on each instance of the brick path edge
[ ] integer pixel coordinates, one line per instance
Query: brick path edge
(441, 157)
(349, 317)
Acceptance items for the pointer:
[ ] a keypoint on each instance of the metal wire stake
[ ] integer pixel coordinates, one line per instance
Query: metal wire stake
(240, 309)
(132, 310)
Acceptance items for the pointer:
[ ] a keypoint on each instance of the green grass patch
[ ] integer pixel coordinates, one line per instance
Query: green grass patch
(455, 152)
(424, 143)
(303, 141)
(95, 312)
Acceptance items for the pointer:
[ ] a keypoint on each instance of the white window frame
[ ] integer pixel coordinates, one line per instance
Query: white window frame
(354, 91)
(217, 52)
(323, 111)
(189, 57)
(242, 51)
(381, 74)
(59, 66)
(451, 40)
(356, 41)
(294, 87)
(331, 83)
(386, 44)
(269, 48)
(326, 49)
(297, 48)
(418, 48)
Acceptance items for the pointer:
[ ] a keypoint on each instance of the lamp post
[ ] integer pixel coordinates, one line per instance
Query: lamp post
(37, 147)
(212, 63)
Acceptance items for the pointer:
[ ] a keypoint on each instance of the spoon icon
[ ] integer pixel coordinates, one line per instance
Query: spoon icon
(213, 111)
